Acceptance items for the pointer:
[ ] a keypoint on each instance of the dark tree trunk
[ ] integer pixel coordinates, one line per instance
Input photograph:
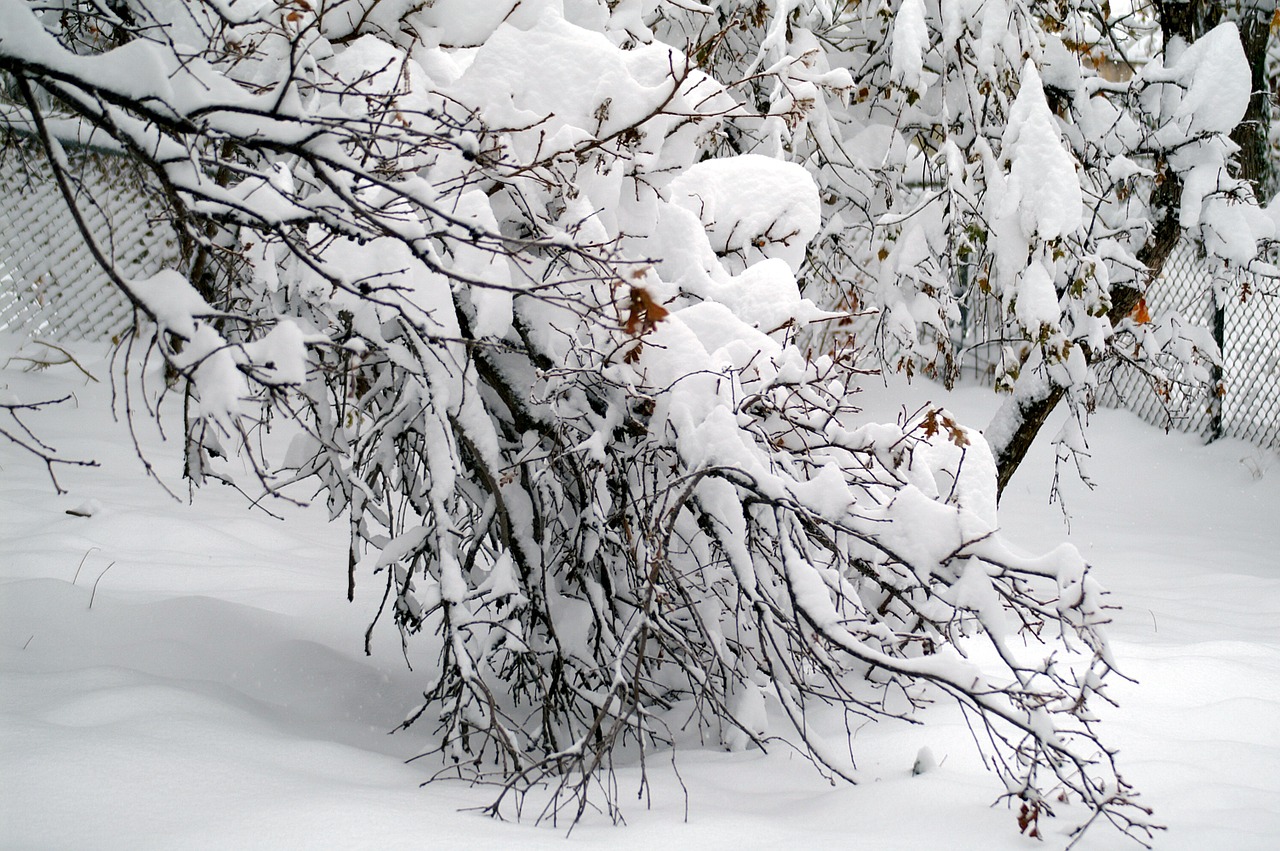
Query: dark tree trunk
(1255, 33)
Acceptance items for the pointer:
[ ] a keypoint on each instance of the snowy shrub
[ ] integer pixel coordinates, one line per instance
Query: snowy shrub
(544, 285)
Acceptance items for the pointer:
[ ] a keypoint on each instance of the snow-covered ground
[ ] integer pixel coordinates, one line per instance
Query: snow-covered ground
(181, 675)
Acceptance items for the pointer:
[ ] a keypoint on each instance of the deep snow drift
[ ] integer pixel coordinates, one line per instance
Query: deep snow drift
(190, 675)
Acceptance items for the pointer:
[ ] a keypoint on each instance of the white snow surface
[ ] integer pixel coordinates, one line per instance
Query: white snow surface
(179, 675)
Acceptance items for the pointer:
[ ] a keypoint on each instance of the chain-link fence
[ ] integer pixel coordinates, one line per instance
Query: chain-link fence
(1244, 322)
(50, 285)
(1246, 327)
(1245, 319)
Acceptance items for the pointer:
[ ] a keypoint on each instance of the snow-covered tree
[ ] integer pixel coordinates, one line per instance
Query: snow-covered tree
(1029, 164)
(547, 289)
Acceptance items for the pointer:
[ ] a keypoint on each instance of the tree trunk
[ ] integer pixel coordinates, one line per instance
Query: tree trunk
(1255, 33)
(1030, 412)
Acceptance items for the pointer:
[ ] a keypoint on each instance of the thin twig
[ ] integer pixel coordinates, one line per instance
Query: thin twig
(94, 593)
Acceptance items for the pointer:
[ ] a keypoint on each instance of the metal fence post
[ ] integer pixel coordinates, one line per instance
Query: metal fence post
(1217, 390)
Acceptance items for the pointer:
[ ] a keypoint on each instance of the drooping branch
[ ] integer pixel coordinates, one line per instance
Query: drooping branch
(1028, 411)
(21, 435)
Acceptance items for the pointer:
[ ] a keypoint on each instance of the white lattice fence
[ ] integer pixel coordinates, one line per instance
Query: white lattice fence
(50, 285)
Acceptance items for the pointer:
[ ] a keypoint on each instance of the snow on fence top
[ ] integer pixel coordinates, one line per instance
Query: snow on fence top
(50, 286)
